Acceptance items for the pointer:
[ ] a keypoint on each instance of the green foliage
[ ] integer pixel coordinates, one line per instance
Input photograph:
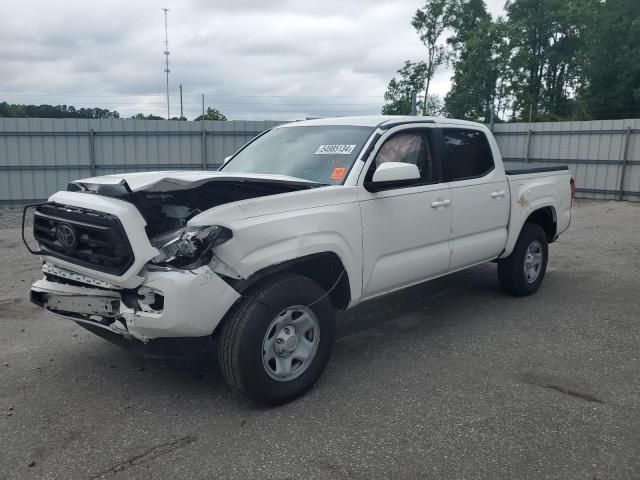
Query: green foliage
(142, 116)
(430, 22)
(212, 114)
(547, 38)
(476, 41)
(555, 59)
(50, 111)
(435, 106)
(397, 100)
(398, 95)
(612, 60)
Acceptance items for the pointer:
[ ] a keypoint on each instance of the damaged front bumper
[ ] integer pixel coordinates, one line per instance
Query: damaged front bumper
(169, 303)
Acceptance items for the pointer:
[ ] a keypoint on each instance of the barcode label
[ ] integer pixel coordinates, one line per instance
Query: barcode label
(335, 149)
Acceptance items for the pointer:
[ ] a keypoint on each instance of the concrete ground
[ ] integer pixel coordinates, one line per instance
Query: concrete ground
(450, 379)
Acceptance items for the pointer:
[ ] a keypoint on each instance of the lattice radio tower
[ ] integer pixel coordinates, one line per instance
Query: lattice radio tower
(166, 58)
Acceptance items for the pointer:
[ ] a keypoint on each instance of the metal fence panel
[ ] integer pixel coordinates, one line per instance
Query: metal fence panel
(598, 153)
(41, 156)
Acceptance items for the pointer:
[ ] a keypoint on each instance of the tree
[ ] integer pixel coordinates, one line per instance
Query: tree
(399, 90)
(51, 111)
(474, 45)
(435, 106)
(212, 114)
(563, 59)
(547, 40)
(611, 60)
(430, 22)
(142, 116)
(398, 94)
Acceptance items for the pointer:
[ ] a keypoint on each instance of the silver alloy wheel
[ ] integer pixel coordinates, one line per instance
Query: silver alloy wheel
(291, 343)
(533, 261)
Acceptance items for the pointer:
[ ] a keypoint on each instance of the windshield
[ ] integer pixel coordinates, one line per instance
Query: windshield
(322, 154)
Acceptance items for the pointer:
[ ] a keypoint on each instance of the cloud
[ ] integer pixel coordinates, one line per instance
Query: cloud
(281, 59)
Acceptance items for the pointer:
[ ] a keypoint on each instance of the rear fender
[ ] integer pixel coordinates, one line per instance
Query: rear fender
(523, 204)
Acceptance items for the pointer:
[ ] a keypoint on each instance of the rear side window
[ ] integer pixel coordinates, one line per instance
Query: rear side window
(466, 154)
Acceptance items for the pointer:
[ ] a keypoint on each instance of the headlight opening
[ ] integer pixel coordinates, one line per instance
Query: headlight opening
(185, 245)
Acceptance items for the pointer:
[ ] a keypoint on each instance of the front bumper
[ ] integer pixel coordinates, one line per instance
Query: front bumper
(169, 303)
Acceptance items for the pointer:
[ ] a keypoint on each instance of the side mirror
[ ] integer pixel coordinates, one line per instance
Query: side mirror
(396, 172)
(393, 175)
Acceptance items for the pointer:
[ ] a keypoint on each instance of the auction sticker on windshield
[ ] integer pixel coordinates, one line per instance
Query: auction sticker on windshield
(338, 173)
(335, 149)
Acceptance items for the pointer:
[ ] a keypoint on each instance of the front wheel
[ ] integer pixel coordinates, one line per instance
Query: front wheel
(522, 272)
(277, 341)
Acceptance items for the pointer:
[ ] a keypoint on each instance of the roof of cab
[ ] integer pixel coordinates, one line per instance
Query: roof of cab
(376, 121)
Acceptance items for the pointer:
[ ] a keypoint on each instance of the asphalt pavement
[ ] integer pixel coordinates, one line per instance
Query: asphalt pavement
(449, 379)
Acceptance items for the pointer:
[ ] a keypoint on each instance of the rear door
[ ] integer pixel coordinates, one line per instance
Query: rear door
(479, 196)
(405, 229)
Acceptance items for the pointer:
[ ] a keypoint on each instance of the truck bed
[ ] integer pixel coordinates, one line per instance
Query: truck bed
(524, 171)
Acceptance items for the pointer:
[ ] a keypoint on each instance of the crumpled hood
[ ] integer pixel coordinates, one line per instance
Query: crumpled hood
(165, 181)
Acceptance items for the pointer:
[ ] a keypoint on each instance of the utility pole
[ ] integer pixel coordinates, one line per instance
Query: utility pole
(491, 118)
(413, 103)
(203, 138)
(181, 114)
(166, 58)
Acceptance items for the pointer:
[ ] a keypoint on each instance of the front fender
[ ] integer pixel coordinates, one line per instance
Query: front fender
(268, 240)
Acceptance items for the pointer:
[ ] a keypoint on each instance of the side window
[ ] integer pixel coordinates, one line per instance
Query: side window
(408, 147)
(466, 154)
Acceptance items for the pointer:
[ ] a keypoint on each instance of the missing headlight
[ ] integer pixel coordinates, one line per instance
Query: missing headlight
(185, 246)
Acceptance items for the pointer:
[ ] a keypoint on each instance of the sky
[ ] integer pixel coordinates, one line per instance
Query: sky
(252, 59)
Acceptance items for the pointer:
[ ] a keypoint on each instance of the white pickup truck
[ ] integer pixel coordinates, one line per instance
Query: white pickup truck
(306, 219)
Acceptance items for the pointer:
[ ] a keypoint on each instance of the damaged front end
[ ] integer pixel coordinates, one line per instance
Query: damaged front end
(184, 305)
(122, 258)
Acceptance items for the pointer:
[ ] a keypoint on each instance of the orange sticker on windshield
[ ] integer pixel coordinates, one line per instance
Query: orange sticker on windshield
(338, 173)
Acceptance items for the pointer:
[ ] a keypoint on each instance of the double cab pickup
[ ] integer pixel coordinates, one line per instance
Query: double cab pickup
(306, 219)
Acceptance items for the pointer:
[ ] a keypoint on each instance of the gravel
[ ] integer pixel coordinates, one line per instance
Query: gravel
(10, 217)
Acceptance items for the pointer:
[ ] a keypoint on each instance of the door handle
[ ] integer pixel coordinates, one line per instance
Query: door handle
(440, 203)
(498, 194)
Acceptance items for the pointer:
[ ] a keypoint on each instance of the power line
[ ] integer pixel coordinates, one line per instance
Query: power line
(95, 103)
(162, 94)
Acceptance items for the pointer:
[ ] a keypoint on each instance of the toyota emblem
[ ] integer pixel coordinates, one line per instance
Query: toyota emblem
(67, 236)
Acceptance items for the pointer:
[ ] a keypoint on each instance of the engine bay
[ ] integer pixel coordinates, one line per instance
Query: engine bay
(170, 210)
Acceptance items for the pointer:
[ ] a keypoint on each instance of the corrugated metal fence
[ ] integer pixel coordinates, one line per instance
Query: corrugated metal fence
(603, 155)
(40, 156)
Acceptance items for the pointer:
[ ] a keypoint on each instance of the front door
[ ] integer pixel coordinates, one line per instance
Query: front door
(406, 230)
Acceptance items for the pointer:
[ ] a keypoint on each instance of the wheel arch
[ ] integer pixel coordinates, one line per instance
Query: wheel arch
(325, 268)
(544, 215)
(546, 218)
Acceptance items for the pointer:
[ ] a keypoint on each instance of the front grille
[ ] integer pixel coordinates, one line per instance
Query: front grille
(85, 237)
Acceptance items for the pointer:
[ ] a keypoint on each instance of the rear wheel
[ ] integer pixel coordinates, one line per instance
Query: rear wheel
(277, 341)
(522, 272)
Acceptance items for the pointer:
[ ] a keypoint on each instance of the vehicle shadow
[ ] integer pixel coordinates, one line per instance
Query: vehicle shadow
(441, 294)
(420, 310)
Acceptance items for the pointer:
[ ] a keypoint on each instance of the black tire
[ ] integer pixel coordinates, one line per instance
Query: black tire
(511, 270)
(243, 332)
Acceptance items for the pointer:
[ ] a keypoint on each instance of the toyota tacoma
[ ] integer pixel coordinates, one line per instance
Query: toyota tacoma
(306, 219)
